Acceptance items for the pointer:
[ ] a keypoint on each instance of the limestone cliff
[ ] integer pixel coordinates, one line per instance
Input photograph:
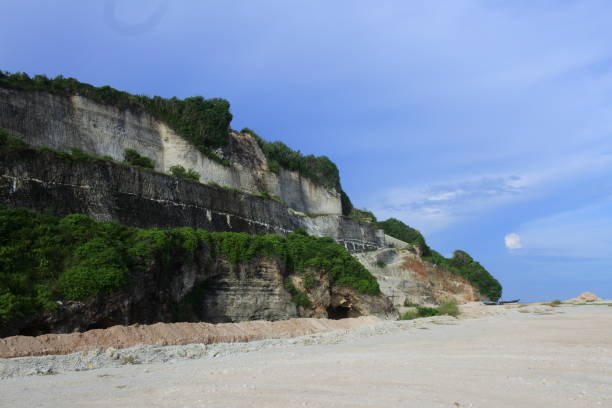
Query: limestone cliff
(60, 122)
(228, 198)
(404, 276)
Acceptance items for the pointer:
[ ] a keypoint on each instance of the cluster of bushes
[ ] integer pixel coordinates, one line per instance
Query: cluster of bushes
(134, 158)
(204, 122)
(297, 297)
(10, 142)
(397, 229)
(362, 216)
(44, 258)
(320, 169)
(186, 174)
(462, 264)
(448, 307)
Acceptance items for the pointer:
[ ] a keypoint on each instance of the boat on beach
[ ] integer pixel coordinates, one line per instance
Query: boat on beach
(500, 302)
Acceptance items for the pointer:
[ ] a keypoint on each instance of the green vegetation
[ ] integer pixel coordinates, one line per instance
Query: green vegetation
(44, 259)
(10, 142)
(448, 307)
(267, 195)
(462, 264)
(134, 158)
(297, 297)
(309, 280)
(203, 122)
(397, 229)
(319, 169)
(380, 263)
(362, 215)
(188, 174)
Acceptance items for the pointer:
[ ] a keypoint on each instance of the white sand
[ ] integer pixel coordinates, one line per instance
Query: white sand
(526, 357)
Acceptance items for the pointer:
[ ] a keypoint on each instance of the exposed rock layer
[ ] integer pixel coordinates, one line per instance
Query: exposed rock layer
(403, 275)
(164, 334)
(109, 191)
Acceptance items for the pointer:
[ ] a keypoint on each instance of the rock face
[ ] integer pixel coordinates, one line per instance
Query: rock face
(61, 122)
(205, 289)
(109, 191)
(403, 275)
(198, 289)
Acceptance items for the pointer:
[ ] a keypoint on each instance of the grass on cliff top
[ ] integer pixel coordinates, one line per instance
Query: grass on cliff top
(203, 122)
(320, 169)
(44, 259)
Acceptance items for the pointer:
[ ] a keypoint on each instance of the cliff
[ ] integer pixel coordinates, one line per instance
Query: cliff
(403, 276)
(68, 274)
(111, 191)
(203, 289)
(60, 122)
(243, 188)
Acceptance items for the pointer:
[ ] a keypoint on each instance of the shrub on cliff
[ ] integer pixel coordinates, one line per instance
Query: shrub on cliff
(10, 142)
(44, 259)
(362, 215)
(463, 265)
(134, 158)
(186, 174)
(320, 169)
(397, 229)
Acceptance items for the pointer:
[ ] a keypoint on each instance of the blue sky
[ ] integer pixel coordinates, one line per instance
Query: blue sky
(470, 120)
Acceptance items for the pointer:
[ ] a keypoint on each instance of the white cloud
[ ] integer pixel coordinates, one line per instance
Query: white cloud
(434, 207)
(582, 233)
(513, 241)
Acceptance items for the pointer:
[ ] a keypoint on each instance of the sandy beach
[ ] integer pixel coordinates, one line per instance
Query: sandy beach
(534, 356)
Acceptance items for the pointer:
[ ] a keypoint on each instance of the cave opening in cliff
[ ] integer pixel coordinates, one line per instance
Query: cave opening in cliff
(338, 312)
(34, 331)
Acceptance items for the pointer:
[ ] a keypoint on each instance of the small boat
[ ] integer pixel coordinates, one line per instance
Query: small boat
(504, 302)
(489, 303)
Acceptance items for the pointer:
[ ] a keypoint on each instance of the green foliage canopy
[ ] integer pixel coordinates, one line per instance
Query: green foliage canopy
(134, 158)
(397, 229)
(462, 264)
(320, 169)
(186, 174)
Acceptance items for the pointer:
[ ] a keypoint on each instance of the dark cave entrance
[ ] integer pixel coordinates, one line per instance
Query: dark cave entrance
(338, 312)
